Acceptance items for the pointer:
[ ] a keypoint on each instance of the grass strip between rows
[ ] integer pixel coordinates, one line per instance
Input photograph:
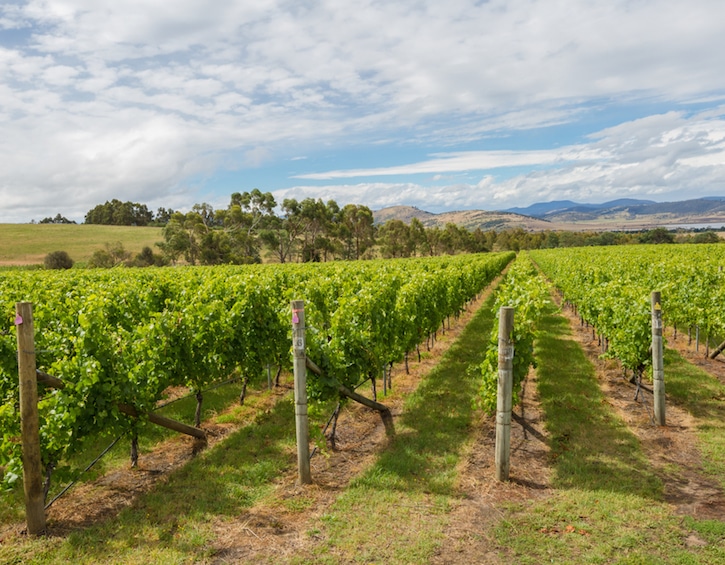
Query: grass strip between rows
(396, 511)
(173, 523)
(608, 505)
(702, 395)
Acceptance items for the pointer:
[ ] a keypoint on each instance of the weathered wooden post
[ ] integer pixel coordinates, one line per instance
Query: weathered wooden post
(697, 338)
(658, 373)
(300, 375)
(504, 392)
(29, 422)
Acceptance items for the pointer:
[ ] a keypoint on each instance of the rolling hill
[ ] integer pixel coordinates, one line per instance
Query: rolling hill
(621, 214)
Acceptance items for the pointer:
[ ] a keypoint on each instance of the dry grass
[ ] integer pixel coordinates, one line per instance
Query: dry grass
(28, 244)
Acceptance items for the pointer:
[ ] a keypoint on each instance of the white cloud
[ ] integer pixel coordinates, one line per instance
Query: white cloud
(102, 99)
(665, 157)
(468, 161)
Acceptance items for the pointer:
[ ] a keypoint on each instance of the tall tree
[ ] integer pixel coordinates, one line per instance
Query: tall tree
(395, 239)
(282, 234)
(182, 235)
(356, 230)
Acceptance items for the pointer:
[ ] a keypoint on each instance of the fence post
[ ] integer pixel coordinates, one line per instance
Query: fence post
(29, 421)
(658, 373)
(300, 374)
(504, 393)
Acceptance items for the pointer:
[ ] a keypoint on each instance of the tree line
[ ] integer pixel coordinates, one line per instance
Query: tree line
(253, 227)
(117, 213)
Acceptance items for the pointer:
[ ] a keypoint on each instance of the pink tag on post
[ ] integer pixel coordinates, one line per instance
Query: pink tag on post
(295, 318)
(18, 320)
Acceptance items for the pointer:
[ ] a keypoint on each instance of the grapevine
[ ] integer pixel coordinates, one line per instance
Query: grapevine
(124, 336)
(527, 292)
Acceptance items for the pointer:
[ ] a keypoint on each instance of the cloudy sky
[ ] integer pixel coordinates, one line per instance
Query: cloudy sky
(444, 105)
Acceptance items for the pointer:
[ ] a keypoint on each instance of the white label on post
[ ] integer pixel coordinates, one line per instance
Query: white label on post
(508, 353)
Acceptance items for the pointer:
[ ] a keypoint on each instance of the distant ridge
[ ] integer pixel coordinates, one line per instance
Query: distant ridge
(566, 215)
(404, 213)
(541, 209)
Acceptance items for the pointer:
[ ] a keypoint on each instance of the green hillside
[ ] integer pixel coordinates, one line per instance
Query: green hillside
(27, 244)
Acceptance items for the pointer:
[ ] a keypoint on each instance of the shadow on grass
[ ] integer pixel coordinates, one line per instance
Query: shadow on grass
(223, 481)
(215, 401)
(437, 418)
(702, 395)
(697, 391)
(591, 448)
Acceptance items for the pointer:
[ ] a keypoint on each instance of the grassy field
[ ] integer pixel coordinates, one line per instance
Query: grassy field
(28, 244)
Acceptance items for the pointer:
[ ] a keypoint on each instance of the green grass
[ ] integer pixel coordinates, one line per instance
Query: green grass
(607, 506)
(174, 523)
(701, 395)
(591, 447)
(25, 244)
(222, 399)
(396, 511)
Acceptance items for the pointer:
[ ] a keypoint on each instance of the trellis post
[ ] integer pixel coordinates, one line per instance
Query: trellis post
(658, 373)
(504, 401)
(300, 376)
(29, 421)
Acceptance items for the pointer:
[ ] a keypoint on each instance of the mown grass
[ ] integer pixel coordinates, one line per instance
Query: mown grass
(702, 395)
(174, 522)
(27, 244)
(608, 505)
(223, 399)
(396, 511)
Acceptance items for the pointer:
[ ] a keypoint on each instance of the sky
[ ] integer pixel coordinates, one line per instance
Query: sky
(443, 105)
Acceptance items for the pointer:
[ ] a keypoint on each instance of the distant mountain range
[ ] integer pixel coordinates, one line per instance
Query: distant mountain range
(541, 209)
(622, 214)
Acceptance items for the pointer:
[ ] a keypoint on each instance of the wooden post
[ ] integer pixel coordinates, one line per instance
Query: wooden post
(697, 338)
(504, 393)
(29, 421)
(300, 375)
(720, 348)
(658, 373)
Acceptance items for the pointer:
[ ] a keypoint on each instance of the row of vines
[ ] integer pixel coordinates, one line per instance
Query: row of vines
(125, 336)
(611, 288)
(526, 291)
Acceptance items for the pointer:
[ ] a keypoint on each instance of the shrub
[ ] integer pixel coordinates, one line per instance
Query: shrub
(147, 258)
(58, 260)
(113, 255)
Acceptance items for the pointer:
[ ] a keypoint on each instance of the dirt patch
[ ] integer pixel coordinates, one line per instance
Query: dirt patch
(672, 449)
